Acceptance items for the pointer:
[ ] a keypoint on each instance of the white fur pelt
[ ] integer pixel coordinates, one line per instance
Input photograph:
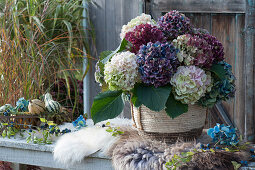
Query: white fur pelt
(74, 147)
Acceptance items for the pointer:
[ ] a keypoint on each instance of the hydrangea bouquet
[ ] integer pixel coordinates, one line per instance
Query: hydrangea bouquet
(168, 64)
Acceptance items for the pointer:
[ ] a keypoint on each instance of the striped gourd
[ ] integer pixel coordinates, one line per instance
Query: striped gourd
(36, 106)
(51, 105)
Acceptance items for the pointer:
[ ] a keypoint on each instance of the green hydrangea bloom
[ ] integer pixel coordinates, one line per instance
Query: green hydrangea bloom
(190, 83)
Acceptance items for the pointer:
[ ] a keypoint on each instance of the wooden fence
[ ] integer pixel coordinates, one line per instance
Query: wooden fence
(231, 21)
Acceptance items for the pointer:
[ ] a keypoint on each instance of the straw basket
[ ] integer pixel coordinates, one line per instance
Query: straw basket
(160, 126)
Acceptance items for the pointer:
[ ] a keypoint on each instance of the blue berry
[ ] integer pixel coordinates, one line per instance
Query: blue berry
(202, 146)
(252, 150)
(6, 114)
(30, 130)
(217, 147)
(208, 145)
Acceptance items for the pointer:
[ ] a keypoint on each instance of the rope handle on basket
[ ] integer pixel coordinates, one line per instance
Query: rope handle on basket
(138, 115)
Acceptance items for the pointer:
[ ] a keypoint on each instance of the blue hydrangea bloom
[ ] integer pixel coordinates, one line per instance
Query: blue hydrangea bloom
(79, 122)
(22, 104)
(221, 89)
(157, 62)
(224, 135)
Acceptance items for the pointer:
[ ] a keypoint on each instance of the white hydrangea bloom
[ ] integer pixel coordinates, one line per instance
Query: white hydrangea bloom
(121, 72)
(142, 19)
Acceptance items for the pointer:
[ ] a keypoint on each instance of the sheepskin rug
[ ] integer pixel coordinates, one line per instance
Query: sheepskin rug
(130, 151)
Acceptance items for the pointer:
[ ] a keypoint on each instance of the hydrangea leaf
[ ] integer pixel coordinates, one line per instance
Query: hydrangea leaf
(135, 101)
(219, 70)
(121, 48)
(104, 54)
(134, 98)
(175, 108)
(107, 105)
(153, 98)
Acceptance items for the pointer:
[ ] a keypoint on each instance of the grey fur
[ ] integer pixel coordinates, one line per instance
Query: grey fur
(134, 152)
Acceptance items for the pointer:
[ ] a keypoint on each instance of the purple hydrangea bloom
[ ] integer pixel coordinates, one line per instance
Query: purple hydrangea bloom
(194, 51)
(157, 63)
(142, 34)
(217, 47)
(174, 24)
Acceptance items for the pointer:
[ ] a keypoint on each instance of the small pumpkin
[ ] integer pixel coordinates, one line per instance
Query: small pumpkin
(5, 107)
(51, 105)
(36, 106)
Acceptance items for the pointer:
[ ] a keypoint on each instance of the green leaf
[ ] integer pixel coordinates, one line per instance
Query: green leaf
(175, 108)
(120, 132)
(153, 98)
(135, 101)
(121, 48)
(43, 120)
(104, 54)
(236, 165)
(107, 105)
(219, 70)
(190, 153)
(107, 124)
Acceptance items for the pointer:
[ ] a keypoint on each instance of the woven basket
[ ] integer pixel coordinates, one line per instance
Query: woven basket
(160, 126)
(20, 120)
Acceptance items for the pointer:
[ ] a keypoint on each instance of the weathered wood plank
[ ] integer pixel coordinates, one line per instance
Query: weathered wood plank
(249, 69)
(108, 17)
(223, 27)
(201, 20)
(201, 6)
(239, 73)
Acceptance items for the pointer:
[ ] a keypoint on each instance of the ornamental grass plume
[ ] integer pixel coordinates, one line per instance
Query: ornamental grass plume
(142, 19)
(190, 83)
(194, 51)
(174, 24)
(142, 34)
(121, 72)
(157, 63)
(221, 89)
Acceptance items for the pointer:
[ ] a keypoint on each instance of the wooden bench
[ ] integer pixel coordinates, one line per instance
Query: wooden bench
(20, 152)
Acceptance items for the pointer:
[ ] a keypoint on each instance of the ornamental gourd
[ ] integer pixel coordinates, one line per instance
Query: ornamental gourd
(51, 105)
(36, 106)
